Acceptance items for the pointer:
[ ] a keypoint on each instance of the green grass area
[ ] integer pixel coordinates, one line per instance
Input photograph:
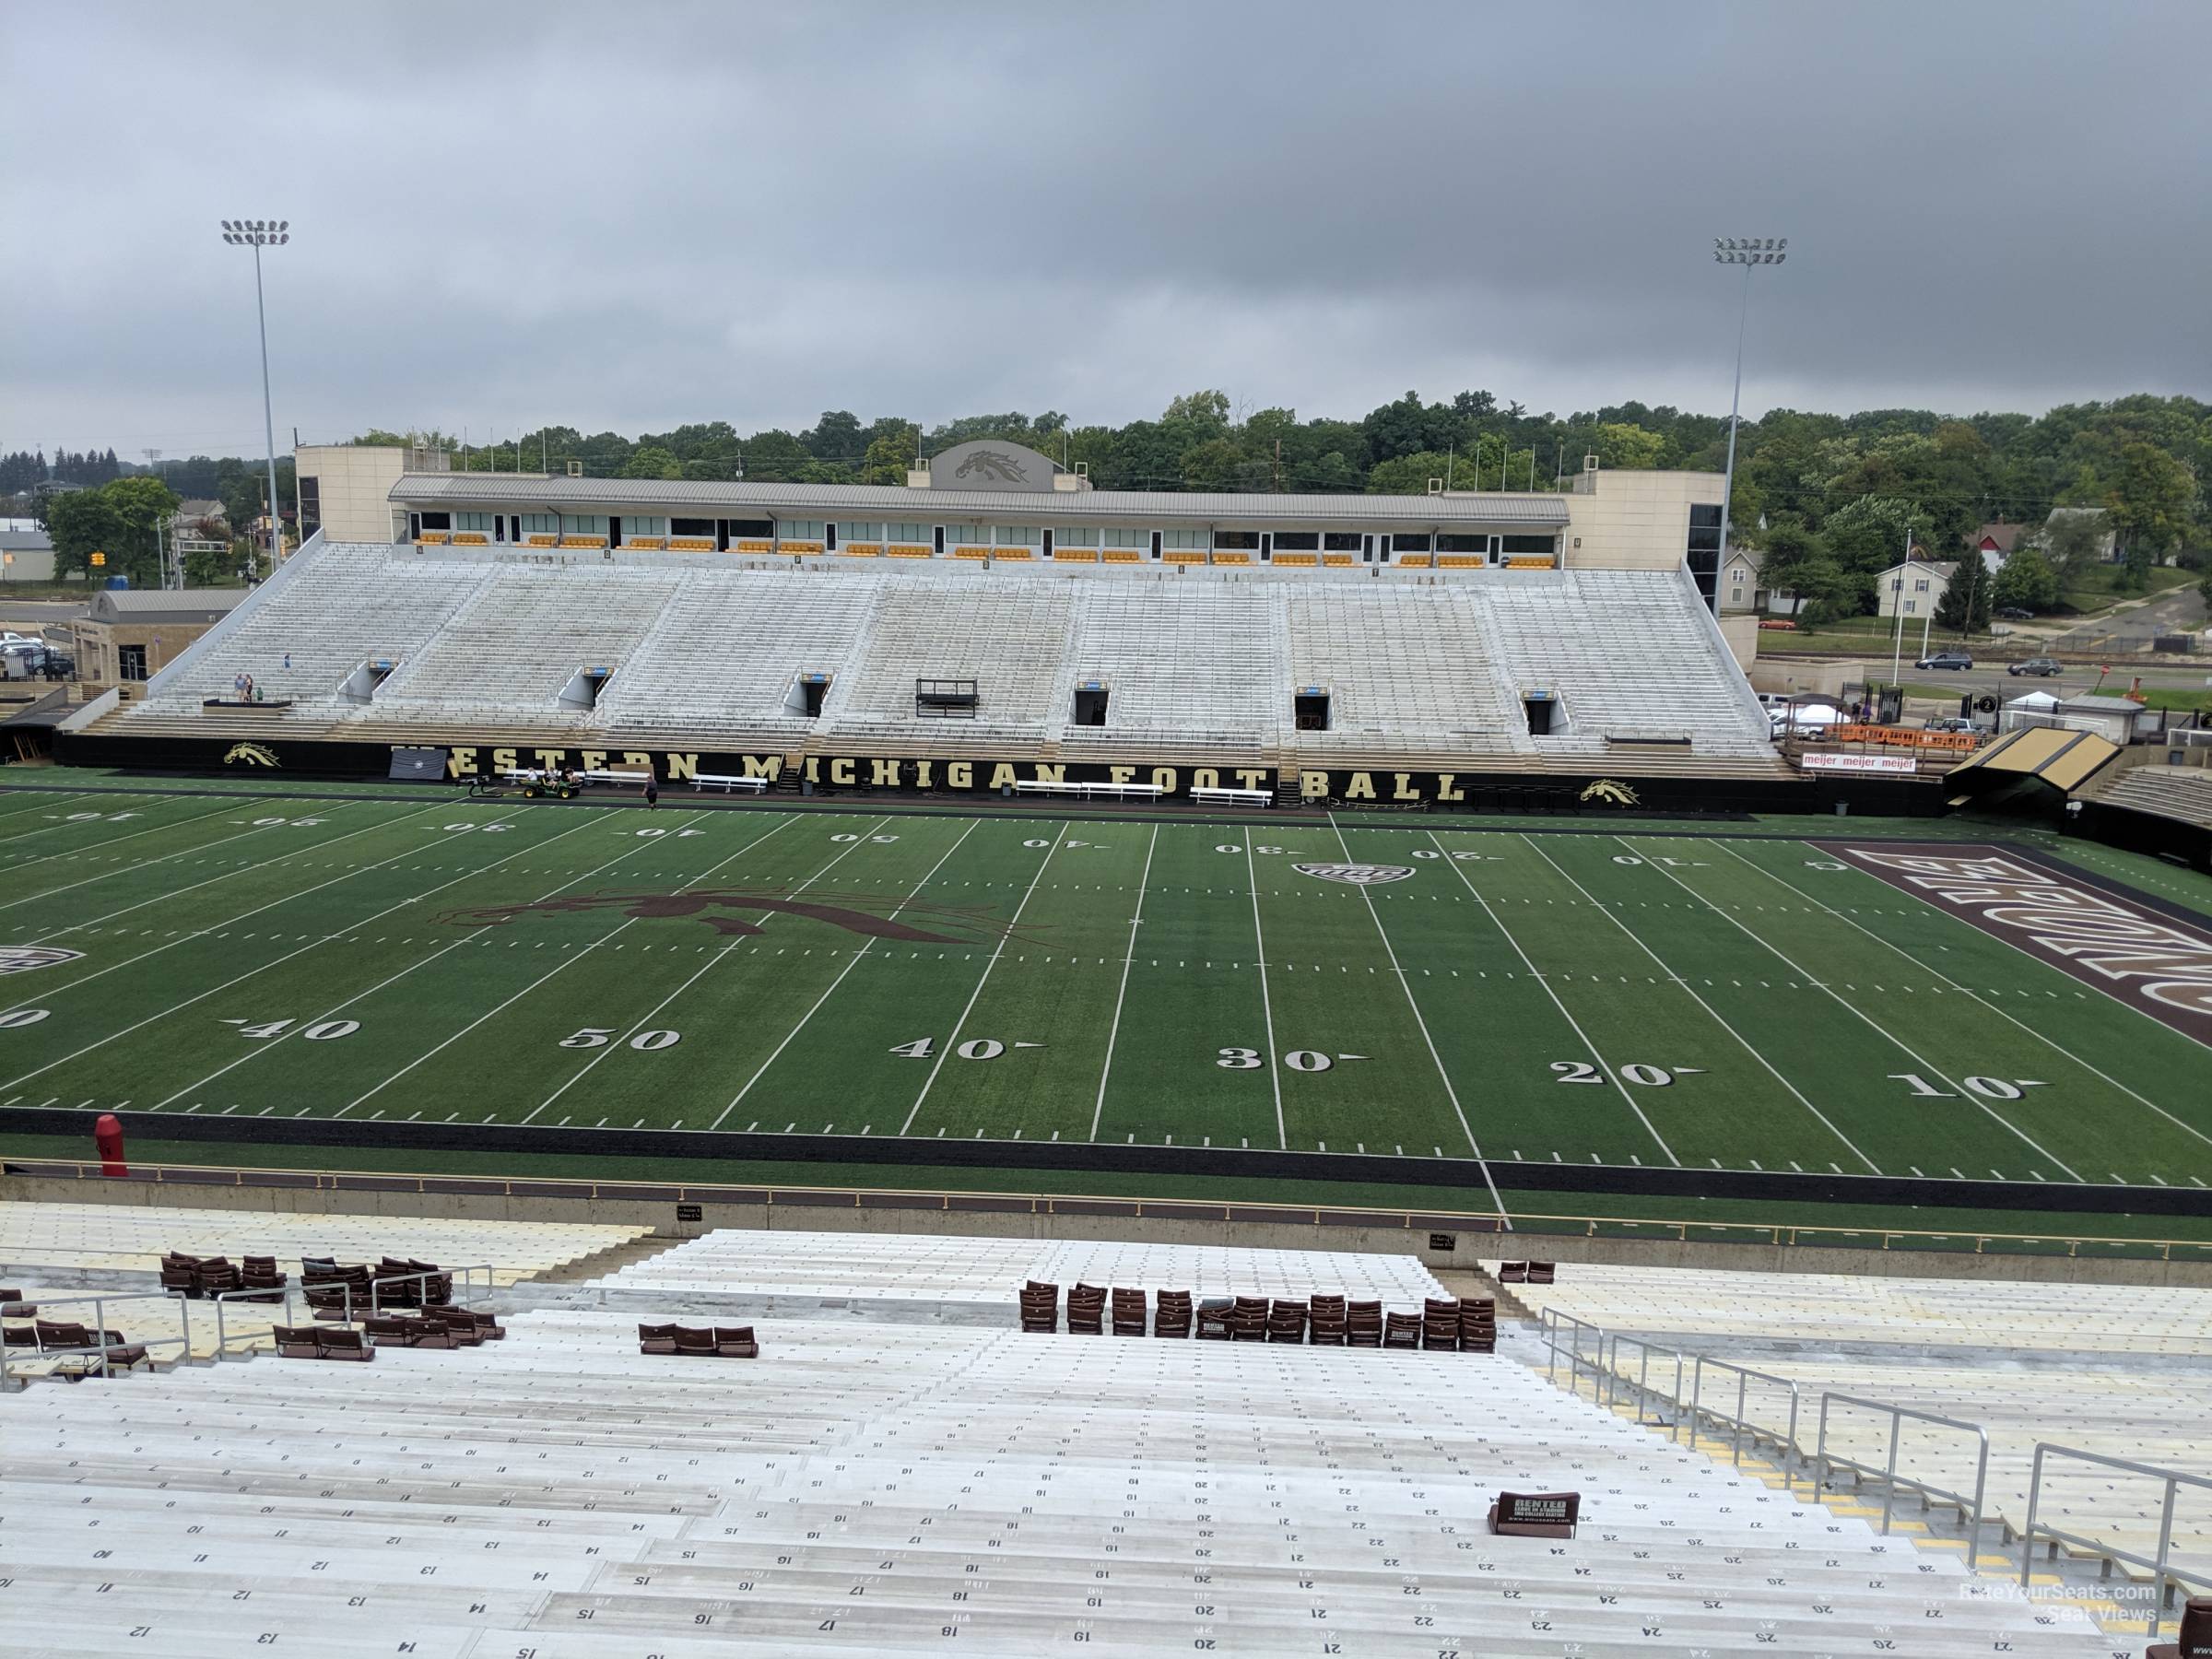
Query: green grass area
(1654, 994)
(2100, 586)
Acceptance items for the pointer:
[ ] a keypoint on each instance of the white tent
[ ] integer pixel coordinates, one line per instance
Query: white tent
(2034, 702)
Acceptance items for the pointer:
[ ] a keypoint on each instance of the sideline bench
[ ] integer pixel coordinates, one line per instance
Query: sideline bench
(1118, 792)
(728, 783)
(1211, 797)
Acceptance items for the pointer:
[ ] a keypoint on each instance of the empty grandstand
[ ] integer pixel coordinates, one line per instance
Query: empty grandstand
(1557, 672)
(903, 1467)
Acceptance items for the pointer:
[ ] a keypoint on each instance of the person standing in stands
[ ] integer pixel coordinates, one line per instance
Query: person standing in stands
(238, 685)
(652, 788)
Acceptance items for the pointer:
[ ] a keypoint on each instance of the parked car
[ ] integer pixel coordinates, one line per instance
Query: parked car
(2042, 667)
(2013, 613)
(1953, 723)
(1946, 659)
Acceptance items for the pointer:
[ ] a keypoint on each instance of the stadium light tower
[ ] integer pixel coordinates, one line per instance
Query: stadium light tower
(1747, 252)
(258, 234)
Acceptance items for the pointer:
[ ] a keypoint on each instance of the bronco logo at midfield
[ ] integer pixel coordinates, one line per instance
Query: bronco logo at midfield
(1358, 875)
(1607, 789)
(726, 911)
(253, 754)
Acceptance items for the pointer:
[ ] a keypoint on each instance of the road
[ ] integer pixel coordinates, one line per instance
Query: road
(2181, 611)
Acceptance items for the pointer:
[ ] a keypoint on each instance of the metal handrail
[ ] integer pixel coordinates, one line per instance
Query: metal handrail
(1408, 1219)
(1641, 1387)
(1745, 1376)
(1823, 1460)
(2161, 1565)
(463, 1278)
(1549, 1321)
(100, 1323)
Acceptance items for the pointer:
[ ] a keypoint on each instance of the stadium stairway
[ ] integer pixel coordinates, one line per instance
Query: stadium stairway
(866, 1486)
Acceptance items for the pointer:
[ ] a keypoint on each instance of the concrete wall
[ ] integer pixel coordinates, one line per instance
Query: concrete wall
(1021, 1219)
(1634, 521)
(356, 482)
(1741, 632)
(28, 564)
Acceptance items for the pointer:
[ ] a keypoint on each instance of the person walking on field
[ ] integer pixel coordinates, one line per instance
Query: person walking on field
(652, 789)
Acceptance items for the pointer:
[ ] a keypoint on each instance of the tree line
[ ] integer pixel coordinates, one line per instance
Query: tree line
(1830, 499)
(24, 470)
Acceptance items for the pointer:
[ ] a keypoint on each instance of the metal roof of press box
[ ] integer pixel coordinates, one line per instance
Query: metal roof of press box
(1077, 506)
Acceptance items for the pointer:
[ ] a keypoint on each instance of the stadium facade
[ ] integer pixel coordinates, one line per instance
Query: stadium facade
(994, 626)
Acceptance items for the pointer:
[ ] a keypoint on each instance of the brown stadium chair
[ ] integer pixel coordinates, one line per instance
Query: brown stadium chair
(735, 1342)
(342, 1344)
(1086, 1311)
(181, 1273)
(1543, 1273)
(458, 1323)
(697, 1343)
(1363, 1325)
(656, 1339)
(1248, 1321)
(1478, 1325)
(1128, 1313)
(1328, 1323)
(1213, 1320)
(1402, 1331)
(298, 1342)
(216, 1276)
(1512, 1273)
(1286, 1321)
(1171, 1314)
(1041, 1309)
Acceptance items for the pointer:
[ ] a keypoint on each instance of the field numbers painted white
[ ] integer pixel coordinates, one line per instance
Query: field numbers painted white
(1822, 863)
(679, 834)
(646, 1042)
(116, 817)
(464, 828)
(590, 1037)
(303, 823)
(1636, 1070)
(1307, 1060)
(975, 1048)
(1036, 842)
(21, 1017)
(879, 840)
(1229, 847)
(323, 1030)
(1238, 1059)
(1989, 1089)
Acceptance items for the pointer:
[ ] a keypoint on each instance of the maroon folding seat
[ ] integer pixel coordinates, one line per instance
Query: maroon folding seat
(1086, 1311)
(1402, 1331)
(656, 1339)
(1363, 1325)
(735, 1342)
(1286, 1321)
(298, 1342)
(1213, 1321)
(695, 1342)
(1128, 1313)
(1512, 1273)
(1172, 1314)
(1543, 1273)
(341, 1345)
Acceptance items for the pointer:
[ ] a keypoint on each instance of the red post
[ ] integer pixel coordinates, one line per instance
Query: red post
(107, 1134)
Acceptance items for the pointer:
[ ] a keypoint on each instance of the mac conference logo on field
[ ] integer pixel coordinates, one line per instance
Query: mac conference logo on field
(1358, 875)
(22, 958)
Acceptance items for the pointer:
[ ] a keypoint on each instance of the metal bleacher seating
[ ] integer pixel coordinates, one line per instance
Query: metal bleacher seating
(1199, 666)
(2113, 1369)
(873, 1480)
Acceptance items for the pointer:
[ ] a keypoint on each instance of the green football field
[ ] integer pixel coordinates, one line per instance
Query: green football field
(1741, 1001)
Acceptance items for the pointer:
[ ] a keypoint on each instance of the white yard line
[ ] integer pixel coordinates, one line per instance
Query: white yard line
(323, 938)
(50, 828)
(263, 1047)
(1114, 1031)
(1413, 1003)
(1259, 944)
(562, 966)
(146, 863)
(1872, 1025)
(839, 980)
(1596, 1055)
(115, 839)
(2043, 1038)
(704, 968)
(983, 979)
(200, 933)
(1675, 978)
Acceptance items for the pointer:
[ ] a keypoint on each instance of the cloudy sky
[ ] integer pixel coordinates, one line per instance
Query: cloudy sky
(633, 217)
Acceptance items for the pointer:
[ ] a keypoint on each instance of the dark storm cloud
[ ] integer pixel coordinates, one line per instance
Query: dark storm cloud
(629, 217)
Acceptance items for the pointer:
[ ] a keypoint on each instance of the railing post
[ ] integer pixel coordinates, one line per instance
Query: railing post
(1793, 1456)
(2035, 1490)
(1742, 1383)
(2164, 1585)
(184, 1315)
(1973, 1542)
(221, 1339)
(100, 1334)
(1889, 1473)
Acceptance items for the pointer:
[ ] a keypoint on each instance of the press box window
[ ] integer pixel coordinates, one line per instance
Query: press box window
(1237, 541)
(1296, 541)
